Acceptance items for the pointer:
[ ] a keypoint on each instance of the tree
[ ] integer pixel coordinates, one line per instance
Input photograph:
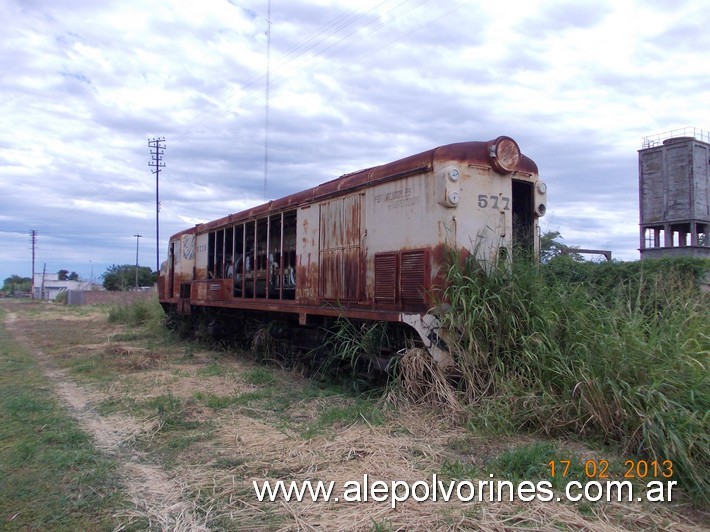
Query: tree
(123, 277)
(15, 283)
(550, 246)
(64, 275)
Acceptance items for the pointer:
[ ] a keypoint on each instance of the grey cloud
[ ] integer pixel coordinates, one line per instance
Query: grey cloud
(561, 16)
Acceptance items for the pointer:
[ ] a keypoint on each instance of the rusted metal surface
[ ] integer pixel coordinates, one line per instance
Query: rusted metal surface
(339, 264)
(213, 289)
(296, 308)
(307, 245)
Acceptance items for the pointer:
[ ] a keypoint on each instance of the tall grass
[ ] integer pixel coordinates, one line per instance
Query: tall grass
(613, 352)
(141, 312)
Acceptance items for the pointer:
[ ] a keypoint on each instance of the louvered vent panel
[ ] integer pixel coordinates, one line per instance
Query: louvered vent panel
(413, 276)
(386, 277)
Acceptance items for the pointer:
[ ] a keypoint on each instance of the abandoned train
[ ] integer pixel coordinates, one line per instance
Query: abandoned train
(370, 245)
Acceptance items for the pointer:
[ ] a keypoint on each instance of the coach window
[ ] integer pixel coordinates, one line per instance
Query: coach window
(228, 253)
(260, 258)
(219, 254)
(274, 256)
(239, 251)
(210, 255)
(287, 263)
(249, 259)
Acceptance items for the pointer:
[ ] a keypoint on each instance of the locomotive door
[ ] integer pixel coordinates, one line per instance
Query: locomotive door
(171, 271)
(340, 257)
(523, 220)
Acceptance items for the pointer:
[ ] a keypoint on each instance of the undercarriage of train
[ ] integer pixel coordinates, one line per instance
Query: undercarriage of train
(340, 348)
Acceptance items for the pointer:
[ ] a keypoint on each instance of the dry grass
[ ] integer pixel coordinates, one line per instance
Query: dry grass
(206, 483)
(265, 453)
(423, 381)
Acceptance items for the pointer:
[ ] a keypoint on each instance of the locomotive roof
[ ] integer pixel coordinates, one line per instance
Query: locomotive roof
(473, 153)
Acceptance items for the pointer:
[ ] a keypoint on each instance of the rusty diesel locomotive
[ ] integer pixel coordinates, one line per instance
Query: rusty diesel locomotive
(371, 245)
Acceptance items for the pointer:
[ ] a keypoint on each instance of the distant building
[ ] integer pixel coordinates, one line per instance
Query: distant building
(674, 194)
(48, 286)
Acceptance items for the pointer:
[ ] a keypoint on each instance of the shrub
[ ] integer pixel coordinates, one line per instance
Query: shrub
(139, 312)
(61, 298)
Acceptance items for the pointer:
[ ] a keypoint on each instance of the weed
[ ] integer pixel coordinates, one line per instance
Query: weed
(351, 347)
(140, 312)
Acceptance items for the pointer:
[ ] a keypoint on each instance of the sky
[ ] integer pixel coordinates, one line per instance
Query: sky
(258, 99)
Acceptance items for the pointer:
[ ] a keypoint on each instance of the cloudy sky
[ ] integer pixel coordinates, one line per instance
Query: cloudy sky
(84, 84)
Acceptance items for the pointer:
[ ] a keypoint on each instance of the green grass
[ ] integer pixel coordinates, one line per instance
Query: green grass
(140, 312)
(176, 430)
(51, 475)
(457, 470)
(532, 462)
(259, 376)
(212, 370)
(347, 411)
(615, 353)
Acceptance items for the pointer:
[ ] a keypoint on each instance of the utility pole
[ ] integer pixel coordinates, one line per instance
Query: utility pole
(33, 238)
(137, 237)
(157, 147)
(44, 273)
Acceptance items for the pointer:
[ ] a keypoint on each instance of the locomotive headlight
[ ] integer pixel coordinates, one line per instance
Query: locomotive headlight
(541, 187)
(453, 175)
(504, 155)
(454, 197)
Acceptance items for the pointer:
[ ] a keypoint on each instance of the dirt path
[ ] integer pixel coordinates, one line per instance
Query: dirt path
(156, 494)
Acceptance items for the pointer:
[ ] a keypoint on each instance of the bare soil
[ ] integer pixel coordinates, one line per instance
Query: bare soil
(191, 429)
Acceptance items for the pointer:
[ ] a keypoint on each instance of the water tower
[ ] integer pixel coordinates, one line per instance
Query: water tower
(674, 194)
